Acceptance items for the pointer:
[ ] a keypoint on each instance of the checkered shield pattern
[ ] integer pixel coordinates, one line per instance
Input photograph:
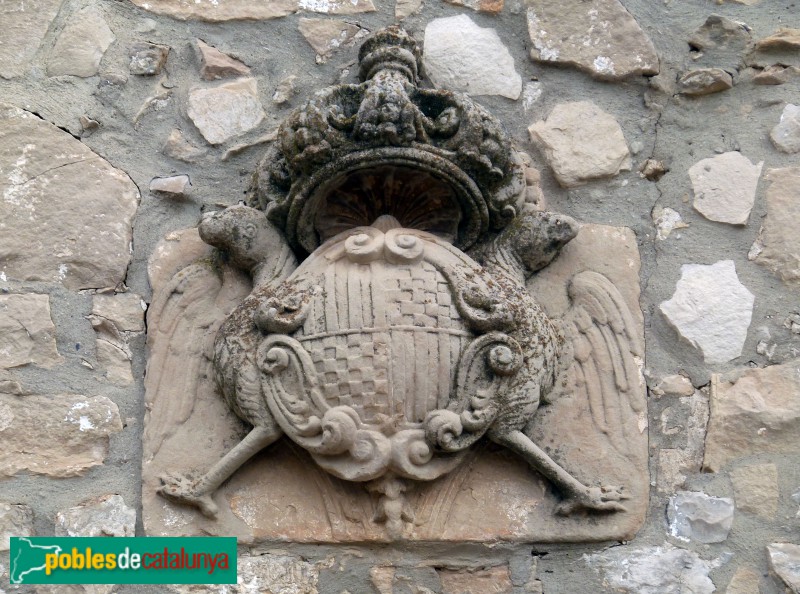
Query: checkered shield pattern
(385, 338)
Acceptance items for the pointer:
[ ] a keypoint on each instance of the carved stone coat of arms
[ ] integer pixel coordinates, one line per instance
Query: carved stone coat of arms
(370, 317)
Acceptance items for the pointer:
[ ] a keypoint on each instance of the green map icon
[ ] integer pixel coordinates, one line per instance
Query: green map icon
(28, 558)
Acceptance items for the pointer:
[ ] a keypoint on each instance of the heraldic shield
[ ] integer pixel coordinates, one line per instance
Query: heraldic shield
(374, 304)
(380, 343)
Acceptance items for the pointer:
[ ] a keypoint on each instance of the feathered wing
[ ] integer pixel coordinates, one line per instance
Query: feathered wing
(605, 342)
(183, 320)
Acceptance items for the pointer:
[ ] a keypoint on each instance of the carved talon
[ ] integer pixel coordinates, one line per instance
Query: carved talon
(182, 490)
(601, 499)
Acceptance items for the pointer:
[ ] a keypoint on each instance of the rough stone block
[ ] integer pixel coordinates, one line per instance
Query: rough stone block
(601, 38)
(67, 213)
(27, 333)
(106, 515)
(226, 111)
(653, 570)
(699, 517)
(711, 309)
(55, 435)
(581, 143)
(461, 56)
(755, 487)
(15, 520)
(81, 45)
(778, 244)
(753, 411)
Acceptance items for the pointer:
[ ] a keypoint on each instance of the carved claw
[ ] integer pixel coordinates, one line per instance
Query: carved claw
(602, 499)
(182, 490)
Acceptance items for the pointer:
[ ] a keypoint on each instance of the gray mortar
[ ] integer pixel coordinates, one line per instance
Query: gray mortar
(684, 132)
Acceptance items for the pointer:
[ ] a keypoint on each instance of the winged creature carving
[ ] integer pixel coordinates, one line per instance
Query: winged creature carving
(388, 328)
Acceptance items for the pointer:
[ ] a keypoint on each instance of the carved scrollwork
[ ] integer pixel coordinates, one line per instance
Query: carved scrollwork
(483, 370)
(290, 389)
(403, 247)
(365, 245)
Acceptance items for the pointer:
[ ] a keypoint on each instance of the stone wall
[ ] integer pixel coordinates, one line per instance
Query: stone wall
(121, 121)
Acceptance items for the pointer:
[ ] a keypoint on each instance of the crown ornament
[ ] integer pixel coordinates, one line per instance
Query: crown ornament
(378, 137)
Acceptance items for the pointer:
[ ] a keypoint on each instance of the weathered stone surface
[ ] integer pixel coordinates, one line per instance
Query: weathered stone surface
(711, 309)
(66, 213)
(725, 187)
(226, 111)
(177, 147)
(285, 90)
(784, 560)
(461, 56)
(24, 26)
(265, 574)
(753, 411)
(601, 38)
(10, 386)
(688, 416)
(786, 134)
(783, 39)
(115, 318)
(106, 515)
(780, 48)
(744, 581)
(27, 333)
(776, 75)
(720, 43)
(488, 6)
(121, 312)
(704, 81)
(405, 8)
(534, 197)
(174, 186)
(215, 64)
(581, 143)
(81, 45)
(326, 36)
(231, 10)
(220, 12)
(15, 520)
(173, 252)
(666, 221)
(695, 516)
(388, 579)
(114, 360)
(74, 589)
(653, 570)
(337, 6)
(653, 169)
(531, 93)
(494, 580)
(674, 385)
(755, 489)
(55, 435)
(778, 244)
(147, 59)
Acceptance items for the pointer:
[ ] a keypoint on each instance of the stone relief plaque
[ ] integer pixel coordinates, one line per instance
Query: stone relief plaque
(389, 342)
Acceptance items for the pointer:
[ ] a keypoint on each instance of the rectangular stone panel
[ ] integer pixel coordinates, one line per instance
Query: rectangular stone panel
(281, 494)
